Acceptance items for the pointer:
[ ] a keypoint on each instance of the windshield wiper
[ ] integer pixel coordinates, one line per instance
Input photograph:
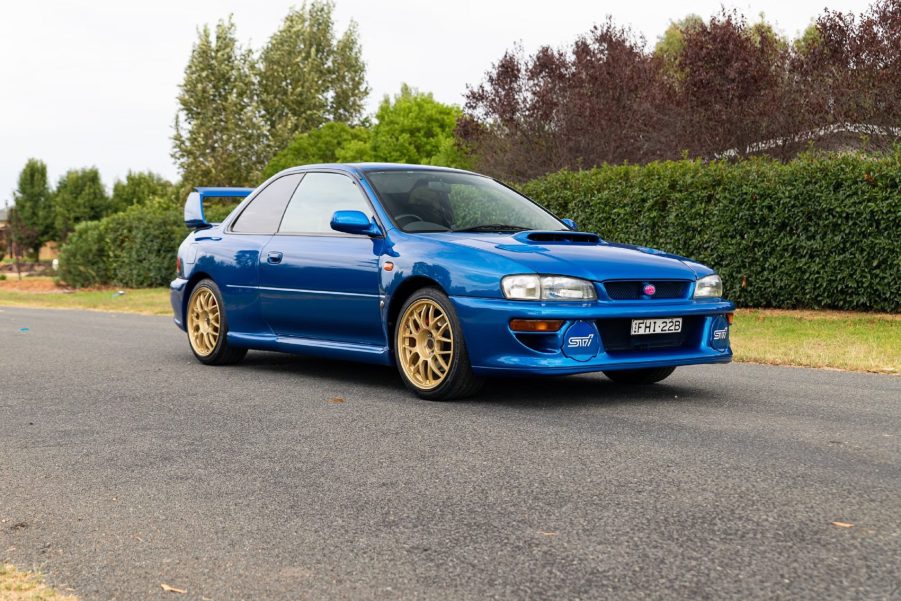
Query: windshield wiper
(492, 227)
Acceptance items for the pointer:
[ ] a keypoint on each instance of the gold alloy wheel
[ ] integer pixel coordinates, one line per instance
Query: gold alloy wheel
(203, 322)
(425, 343)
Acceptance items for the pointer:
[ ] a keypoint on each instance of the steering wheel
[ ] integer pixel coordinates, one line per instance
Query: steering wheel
(412, 218)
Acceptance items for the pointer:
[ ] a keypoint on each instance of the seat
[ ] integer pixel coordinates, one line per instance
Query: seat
(430, 205)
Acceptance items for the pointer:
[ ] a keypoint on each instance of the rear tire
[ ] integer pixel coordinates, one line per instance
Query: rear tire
(207, 326)
(429, 349)
(640, 376)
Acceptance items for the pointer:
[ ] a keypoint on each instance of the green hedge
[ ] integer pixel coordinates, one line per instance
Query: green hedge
(135, 248)
(817, 232)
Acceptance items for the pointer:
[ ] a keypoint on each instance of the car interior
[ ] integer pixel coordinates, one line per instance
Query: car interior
(426, 206)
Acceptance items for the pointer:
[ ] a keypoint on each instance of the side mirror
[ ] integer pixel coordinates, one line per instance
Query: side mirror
(354, 222)
(570, 224)
(194, 217)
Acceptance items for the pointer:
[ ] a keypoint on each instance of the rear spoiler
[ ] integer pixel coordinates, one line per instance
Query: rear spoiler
(194, 217)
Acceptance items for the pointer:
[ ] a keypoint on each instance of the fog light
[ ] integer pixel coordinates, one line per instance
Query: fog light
(536, 325)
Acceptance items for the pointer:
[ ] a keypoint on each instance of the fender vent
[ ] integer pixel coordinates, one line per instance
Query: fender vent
(560, 237)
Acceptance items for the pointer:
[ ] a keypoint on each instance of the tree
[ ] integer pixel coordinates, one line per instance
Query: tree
(138, 188)
(670, 46)
(848, 72)
(763, 32)
(735, 91)
(21, 237)
(331, 143)
(80, 196)
(220, 137)
(309, 76)
(600, 101)
(412, 127)
(416, 128)
(721, 87)
(808, 41)
(33, 211)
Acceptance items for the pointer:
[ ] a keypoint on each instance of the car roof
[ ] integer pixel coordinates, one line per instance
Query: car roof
(360, 168)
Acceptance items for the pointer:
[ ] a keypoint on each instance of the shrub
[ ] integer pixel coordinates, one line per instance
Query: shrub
(821, 231)
(135, 248)
(83, 258)
(142, 245)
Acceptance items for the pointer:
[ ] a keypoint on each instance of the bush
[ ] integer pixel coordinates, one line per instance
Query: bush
(821, 231)
(83, 258)
(142, 246)
(135, 248)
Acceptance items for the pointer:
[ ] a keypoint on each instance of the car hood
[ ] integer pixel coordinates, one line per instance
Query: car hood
(579, 254)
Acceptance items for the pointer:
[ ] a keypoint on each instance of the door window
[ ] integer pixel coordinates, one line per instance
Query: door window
(265, 211)
(317, 198)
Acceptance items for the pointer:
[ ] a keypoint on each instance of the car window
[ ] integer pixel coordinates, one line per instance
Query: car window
(317, 198)
(423, 200)
(476, 205)
(265, 211)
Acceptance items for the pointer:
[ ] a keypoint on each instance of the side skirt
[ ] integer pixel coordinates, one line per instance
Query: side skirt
(365, 353)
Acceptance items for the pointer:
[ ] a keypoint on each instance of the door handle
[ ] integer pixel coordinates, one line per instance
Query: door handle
(274, 258)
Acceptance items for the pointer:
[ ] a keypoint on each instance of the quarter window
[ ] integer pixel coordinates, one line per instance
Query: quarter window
(317, 198)
(265, 211)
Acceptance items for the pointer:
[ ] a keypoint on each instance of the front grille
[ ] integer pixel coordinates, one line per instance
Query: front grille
(616, 336)
(634, 289)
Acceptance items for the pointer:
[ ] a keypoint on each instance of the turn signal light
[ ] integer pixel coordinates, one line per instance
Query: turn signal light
(536, 325)
(730, 317)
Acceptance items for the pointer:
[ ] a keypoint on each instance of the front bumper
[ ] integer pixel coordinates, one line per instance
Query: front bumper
(494, 349)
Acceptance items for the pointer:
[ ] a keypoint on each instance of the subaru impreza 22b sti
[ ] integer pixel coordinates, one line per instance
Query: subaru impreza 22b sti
(449, 275)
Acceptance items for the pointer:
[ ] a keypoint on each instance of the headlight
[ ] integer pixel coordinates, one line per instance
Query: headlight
(547, 287)
(710, 286)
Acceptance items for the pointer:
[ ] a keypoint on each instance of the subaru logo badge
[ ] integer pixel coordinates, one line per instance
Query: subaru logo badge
(649, 289)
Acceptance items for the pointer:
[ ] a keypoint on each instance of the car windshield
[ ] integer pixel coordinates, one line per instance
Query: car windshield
(443, 201)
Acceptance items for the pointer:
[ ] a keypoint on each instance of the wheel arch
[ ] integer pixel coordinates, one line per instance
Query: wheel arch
(189, 288)
(405, 290)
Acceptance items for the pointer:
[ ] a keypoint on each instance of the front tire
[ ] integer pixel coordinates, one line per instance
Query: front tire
(207, 326)
(429, 348)
(640, 376)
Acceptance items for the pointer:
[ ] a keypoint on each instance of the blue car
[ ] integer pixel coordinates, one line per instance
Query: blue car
(449, 275)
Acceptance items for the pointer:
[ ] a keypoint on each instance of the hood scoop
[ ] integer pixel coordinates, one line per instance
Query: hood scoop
(554, 237)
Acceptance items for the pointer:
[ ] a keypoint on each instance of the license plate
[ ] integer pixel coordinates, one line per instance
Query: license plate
(670, 325)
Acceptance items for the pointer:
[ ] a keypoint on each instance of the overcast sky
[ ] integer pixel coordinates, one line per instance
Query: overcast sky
(93, 82)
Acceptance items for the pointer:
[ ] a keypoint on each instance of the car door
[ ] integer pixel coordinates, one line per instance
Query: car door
(232, 258)
(317, 283)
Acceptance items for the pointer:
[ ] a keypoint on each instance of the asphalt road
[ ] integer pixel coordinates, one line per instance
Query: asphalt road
(125, 464)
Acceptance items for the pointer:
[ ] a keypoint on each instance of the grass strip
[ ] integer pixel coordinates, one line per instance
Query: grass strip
(837, 339)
